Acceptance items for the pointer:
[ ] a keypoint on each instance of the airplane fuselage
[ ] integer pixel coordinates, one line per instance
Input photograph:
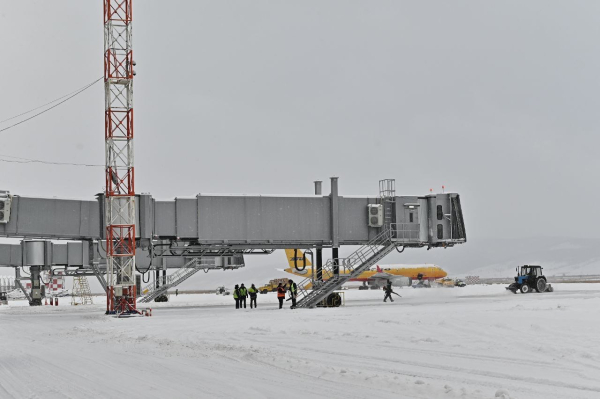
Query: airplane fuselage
(429, 272)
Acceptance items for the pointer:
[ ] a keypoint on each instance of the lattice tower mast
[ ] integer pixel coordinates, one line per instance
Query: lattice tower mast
(120, 189)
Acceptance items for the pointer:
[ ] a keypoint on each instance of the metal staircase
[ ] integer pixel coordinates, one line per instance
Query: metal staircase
(18, 279)
(350, 267)
(151, 292)
(99, 276)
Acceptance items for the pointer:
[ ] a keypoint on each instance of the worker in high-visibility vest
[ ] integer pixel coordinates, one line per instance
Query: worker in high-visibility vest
(243, 296)
(280, 294)
(252, 291)
(236, 296)
(293, 292)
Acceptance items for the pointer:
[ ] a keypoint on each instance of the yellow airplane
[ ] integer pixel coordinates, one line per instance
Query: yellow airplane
(399, 276)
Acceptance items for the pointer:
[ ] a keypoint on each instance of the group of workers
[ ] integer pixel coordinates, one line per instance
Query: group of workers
(241, 293)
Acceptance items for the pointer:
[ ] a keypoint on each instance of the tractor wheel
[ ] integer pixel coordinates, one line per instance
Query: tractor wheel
(264, 291)
(540, 285)
(525, 289)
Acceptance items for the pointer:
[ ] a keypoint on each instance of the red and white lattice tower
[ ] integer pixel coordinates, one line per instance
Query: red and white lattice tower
(120, 191)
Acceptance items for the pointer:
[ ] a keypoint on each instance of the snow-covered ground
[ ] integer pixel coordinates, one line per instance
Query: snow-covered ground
(473, 342)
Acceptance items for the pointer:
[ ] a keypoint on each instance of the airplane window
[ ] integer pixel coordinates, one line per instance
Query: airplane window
(410, 217)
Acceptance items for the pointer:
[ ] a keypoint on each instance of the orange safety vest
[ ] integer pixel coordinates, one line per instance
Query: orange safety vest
(280, 292)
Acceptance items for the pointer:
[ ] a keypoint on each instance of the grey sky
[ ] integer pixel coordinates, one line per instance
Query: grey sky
(496, 100)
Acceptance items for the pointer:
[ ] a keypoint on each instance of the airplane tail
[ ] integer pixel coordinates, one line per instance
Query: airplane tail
(296, 258)
(378, 269)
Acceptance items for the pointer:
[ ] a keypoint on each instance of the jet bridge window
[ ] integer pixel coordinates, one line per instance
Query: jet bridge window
(411, 218)
(440, 212)
(440, 231)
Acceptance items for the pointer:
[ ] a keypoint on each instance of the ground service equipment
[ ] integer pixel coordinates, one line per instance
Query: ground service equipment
(223, 291)
(271, 286)
(530, 278)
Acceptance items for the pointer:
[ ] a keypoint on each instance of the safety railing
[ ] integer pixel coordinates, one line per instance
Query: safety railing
(405, 232)
(358, 261)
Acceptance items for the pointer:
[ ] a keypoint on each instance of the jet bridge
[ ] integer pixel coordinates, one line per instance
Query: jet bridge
(170, 234)
(220, 222)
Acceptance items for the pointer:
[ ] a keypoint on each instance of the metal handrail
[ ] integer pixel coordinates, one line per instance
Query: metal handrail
(405, 231)
(360, 256)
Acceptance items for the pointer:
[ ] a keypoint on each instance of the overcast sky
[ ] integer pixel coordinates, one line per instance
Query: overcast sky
(497, 100)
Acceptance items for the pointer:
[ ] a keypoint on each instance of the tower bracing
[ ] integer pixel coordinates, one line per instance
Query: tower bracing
(120, 189)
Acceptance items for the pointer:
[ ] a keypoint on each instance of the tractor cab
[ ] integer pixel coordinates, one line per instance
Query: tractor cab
(529, 278)
(528, 272)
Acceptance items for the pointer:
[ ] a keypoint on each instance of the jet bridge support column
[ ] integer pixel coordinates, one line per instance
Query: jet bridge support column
(336, 266)
(36, 254)
(319, 264)
(335, 229)
(36, 290)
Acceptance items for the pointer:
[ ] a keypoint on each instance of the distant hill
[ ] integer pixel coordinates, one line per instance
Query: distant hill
(499, 257)
(483, 257)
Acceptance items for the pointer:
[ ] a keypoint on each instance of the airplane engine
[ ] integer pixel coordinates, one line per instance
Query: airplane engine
(401, 281)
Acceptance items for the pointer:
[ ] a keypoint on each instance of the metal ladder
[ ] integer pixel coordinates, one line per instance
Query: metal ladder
(81, 290)
(363, 258)
(151, 292)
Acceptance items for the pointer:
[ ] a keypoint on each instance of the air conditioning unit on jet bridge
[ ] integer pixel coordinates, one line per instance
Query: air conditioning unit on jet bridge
(375, 215)
(5, 200)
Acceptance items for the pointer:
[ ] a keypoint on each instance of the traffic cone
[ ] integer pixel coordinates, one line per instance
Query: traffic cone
(55, 301)
(46, 301)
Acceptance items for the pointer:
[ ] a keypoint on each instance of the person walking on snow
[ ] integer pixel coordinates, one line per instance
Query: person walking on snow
(236, 296)
(280, 294)
(388, 291)
(293, 292)
(243, 296)
(252, 291)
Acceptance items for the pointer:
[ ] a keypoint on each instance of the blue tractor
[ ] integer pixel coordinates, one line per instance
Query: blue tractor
(530, 278)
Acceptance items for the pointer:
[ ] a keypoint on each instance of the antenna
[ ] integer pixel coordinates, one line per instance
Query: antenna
(118, 133)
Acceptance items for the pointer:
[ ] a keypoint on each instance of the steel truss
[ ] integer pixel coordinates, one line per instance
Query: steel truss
(118, 134)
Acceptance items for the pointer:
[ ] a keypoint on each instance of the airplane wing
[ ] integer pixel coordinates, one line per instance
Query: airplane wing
(381, 275)
(398, 281)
